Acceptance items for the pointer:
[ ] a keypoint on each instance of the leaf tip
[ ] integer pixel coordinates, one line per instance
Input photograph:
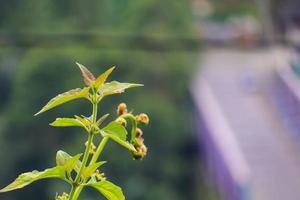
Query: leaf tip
(88, 76)
(39, 112)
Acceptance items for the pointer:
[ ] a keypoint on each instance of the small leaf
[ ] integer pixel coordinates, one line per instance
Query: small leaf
(115, 87)
(116, 129)
(66, 122)
(108, 189)
(65, 97)
(101, 119)
(91, 169)
(29, 177)
(72, 162)
(84, 120)
(62, 158)
(102, 78)
(119, 141)
(88, 77)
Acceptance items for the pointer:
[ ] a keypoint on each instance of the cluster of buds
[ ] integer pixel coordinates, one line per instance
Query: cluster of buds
(92, 148)
(99, 176)
(137, 140)
(138, 143)
(64, 196)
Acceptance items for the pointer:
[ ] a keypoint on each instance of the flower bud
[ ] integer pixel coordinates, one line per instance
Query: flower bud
(92, 149)
(64, 196)
(140, 153)
(143, 118)
(122, 109)
(99, 176)
(139, 142)
(138, 132)
(121, 121)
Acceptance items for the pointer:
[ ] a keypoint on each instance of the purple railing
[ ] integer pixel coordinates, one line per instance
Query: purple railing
(287, 97)
(226, 164)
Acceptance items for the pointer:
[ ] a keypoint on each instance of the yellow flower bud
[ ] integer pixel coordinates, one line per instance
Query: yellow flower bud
(64, 196)
(122, 109)
(138, 132)
(143, 118)
(92, 148)
(141, 152)
(121, 121)
(139, 141)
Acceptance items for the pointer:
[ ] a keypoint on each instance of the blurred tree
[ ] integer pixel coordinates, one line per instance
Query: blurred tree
(168, 172)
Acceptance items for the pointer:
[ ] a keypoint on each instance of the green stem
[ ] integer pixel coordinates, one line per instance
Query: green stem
(95, 111)
(134, 125)
(76, 190)
(85, 157)
(99, 150)
(71, 194)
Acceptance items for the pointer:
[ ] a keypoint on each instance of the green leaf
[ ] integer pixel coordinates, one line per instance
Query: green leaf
(119, 141)
(102, 78)
(101, 119)
(66, 122)
(88, 77)
(84, 120)
(30, 177)
(65, 97)
(87, 172)
(62, 158)
(72, 162)
(116, 129)
(108, 189)
(115, 87)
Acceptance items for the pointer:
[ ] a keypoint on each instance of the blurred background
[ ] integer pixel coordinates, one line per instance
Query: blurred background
(221, 89)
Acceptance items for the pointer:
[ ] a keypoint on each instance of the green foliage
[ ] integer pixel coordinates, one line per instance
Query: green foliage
(108, 189)
(87, 173)
(30, 177)
(67, 161)
(115, 87)
(65, 97)
(134, 35)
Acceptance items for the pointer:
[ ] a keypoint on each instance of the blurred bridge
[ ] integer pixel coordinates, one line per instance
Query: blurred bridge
(250, 151)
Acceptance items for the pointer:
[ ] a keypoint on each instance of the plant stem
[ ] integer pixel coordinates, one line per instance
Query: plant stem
(85, 157)
(76, 190)
(71, 194)
(99, 150)
(95, 111)
(134, 125)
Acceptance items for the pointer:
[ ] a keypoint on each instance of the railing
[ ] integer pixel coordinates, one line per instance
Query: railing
(225, 162)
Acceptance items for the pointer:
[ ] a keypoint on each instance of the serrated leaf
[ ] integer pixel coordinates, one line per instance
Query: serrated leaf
(65, 97)
(115, 87)
(108, 189)
(30, 177)
(62, 158)
(102, 78)
(66, 122)
(116, 129)
(72, 162)
(87, 172)
(88, 77)
(119, 141)
(101, 119)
